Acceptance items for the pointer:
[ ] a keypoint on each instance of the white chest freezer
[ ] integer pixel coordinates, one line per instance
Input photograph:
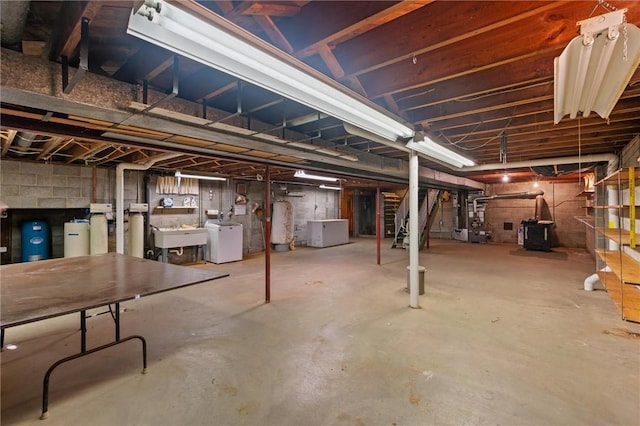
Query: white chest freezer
(328, 232)
(224, 242)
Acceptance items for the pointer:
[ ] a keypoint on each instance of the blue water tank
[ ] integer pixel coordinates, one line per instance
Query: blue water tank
(35, 241)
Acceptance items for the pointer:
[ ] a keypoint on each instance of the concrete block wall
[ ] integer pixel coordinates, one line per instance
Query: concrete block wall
(57, 194)
(309, 203)
(39, 185)
(562, 206)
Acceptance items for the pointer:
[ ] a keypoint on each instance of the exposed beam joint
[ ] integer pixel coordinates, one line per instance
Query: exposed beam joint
(394, 12)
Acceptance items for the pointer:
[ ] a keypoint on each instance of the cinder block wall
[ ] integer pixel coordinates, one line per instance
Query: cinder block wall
(562, 205)
(59, 193)
(56, 194)
(38, 185)
(308, 202)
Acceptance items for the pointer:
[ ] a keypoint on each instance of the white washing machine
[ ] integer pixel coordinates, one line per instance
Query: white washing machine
(224, 242)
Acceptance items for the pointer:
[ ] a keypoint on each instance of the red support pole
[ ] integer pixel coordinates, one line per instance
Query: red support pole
(428, 218)
(378, 224)
(267, 238)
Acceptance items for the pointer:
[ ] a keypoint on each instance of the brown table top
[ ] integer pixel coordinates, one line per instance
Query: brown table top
(35, 291)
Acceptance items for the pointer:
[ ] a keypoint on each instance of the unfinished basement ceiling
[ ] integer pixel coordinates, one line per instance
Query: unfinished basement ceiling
(465, 71)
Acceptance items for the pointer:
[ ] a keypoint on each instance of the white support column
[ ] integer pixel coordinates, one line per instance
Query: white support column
(414, 232)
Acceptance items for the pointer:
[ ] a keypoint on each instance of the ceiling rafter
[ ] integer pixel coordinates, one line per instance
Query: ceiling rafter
(486, 26)
(273, 32)
(69, 31)
(49, 146)
(352, 31)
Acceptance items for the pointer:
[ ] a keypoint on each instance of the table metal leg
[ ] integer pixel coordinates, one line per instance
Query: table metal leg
(117, 320)
(83, 331)
(165, 255)
(45, 385)
(2, 341)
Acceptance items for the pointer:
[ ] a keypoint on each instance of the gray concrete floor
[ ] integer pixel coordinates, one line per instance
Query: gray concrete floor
(503, 336)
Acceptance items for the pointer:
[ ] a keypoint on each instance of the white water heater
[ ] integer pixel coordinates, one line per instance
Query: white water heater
(282, 223)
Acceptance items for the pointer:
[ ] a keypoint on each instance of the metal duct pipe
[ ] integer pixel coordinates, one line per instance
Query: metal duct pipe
(25, 139)
(13, 18)
(120, 193)
(593, 158)
(516, 195)
(539, 207)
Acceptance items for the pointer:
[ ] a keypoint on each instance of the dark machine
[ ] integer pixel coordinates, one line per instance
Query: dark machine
(476, 209)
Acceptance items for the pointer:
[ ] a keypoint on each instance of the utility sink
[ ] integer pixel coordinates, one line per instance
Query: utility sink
(171, 237)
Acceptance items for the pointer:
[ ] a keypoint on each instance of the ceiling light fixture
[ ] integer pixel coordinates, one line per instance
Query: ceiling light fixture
(195, 32)
(594, 69)
(433, 150)
(303, 175)
(180, 175)
(335, 188)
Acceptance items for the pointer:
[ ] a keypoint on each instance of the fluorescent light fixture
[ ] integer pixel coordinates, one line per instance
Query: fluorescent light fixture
(301, 174)
(195, 32)
(595, 67)
(432, 150)
(335, 188)
(180, 175)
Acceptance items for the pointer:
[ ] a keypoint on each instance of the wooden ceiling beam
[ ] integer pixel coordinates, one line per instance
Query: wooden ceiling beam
(567, 140)
(541, 112)
(455, 24)
(49, 146)
(226, 6)
(547, 34)
(550, 151)
(571, 139)
(142, 63)
(118, 153)
(159, 69)
(463, 113)
(268, 8)
(512, 76)
(237, 11)
(404, 77)
(352, 31)
(331, 62)
(527, 126)
(273, 32)
(79, 152)
(68, 32)
(499, 101)
(8, 141)
(219, 91)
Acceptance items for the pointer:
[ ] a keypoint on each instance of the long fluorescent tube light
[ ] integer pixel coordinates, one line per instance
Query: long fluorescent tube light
(431, 149)
(335, 188)
(209, 39)
(595, 67)
(301, 174)
(180, 175)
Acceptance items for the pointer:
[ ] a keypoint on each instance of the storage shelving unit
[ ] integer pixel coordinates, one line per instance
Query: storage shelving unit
(619, 267)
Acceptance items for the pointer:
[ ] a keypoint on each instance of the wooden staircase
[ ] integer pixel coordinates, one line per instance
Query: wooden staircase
(428, 202)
